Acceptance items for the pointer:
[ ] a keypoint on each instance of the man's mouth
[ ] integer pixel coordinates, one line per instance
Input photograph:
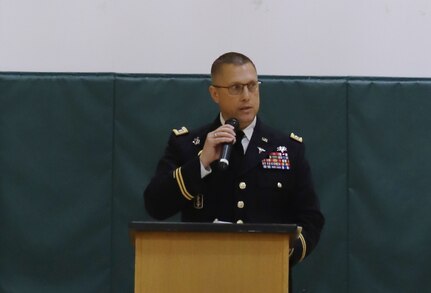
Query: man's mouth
(245, 108)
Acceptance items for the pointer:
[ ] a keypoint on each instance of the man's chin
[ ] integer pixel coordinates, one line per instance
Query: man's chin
(245, 121)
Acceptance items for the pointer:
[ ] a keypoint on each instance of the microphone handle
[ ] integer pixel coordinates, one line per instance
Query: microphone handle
(224, 162)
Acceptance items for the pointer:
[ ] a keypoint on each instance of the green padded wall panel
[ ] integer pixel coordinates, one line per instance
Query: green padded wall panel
(389, 177)
(147, 108)
(315, 108)
(55, 183)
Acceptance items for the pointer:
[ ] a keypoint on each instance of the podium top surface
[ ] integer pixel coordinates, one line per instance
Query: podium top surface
(143, 226)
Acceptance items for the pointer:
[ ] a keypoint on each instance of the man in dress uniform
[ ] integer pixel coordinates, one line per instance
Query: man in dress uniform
(268, 179)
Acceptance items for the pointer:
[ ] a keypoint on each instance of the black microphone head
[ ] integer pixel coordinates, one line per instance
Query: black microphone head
(234, 122)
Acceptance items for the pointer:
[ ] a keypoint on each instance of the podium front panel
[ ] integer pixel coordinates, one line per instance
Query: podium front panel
(211, 262)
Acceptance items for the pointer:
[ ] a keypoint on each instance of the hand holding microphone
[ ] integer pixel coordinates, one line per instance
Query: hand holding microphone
(219, 143)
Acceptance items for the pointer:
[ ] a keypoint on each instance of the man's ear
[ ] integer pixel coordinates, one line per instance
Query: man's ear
(214, 94)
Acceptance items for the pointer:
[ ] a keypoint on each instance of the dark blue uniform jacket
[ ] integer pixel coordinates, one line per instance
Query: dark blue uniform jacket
(282, 192)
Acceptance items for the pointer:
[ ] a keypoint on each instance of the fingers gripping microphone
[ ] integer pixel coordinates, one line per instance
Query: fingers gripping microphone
(227, 147)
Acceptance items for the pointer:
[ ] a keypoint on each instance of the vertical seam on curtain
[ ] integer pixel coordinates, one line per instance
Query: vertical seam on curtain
(114, 82)
(347, 82)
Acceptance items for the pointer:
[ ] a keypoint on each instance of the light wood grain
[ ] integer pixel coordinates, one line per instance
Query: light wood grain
(211, 262)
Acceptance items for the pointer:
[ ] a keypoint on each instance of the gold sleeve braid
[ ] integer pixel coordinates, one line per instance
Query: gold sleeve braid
(179, 177)
(304, 247)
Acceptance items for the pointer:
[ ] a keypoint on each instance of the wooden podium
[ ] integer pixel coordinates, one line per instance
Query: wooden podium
(208, 257)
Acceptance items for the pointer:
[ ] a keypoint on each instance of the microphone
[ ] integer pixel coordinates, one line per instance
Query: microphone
(227, 147)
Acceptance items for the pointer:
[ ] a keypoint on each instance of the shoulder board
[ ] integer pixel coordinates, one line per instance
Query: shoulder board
(295, 137)
(181, 131)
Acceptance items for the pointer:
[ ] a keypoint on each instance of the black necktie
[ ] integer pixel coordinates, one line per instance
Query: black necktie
(238, 143)
(237, 155)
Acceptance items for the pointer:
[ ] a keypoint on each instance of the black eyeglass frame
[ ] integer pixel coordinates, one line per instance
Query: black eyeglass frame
(231, 87)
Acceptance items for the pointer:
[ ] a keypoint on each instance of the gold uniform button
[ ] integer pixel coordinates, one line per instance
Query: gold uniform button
(242, 185)
(279, 185)
(239, 222)
(240, 204)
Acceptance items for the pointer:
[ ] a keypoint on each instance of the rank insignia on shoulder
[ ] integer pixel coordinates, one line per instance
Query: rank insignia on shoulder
(295, 137)
(181, 131)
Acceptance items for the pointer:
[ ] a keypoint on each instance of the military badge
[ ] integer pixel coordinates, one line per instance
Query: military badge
(196, 141)
(198, 201)
(282, 149)
(277, 160)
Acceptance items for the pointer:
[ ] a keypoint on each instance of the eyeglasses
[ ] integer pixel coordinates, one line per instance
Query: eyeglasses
(238, 88)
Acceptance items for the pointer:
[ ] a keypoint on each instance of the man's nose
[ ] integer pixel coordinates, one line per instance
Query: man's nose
(245, 95)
